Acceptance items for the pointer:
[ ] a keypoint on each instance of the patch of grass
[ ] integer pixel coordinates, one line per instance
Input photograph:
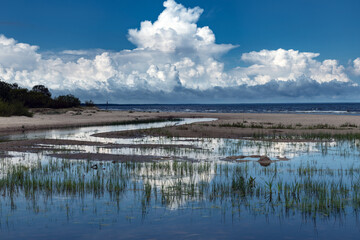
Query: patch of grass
(329, 136)
(347, 124)
(308, 136)
(282, 126)
(268, 125)
(321, 126)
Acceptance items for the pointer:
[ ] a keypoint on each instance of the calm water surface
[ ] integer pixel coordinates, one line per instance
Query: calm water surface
(315, 194)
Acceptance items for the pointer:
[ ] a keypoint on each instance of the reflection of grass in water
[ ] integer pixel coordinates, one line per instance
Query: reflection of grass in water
(319, 136)
(257, 147)
(312, 191)
(308, 136)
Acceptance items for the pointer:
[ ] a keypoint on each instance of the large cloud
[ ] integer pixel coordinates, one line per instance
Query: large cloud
(174, 58)
(17, 56)
(288, 65)
(176, 30)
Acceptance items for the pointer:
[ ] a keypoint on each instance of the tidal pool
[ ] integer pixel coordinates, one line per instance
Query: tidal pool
(194, 192)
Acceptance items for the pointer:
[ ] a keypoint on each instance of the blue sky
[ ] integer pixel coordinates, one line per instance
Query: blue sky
(260, 44)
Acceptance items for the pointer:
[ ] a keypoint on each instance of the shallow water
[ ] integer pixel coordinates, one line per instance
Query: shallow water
(316, 194)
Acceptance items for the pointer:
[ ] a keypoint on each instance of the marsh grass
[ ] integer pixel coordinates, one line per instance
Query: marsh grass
(312, 191)
(348, 125)
(308, 136)
(269, 125)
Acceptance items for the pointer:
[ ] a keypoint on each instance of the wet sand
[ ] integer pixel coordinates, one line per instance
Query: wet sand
(54, 148)
(40, 145)
(117, 157)
(228, 125)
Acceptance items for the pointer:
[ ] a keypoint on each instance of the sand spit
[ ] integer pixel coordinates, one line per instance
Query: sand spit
(198, 130)
(68, 118)
(252, 126)
(228, 125)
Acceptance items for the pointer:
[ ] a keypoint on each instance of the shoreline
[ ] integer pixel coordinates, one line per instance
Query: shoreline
(250, 126)
(228, 125)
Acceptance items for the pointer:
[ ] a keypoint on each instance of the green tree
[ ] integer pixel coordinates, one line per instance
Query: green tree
(65, 101)
(41, 89)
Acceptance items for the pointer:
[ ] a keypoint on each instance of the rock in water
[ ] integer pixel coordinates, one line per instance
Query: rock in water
(264, 161)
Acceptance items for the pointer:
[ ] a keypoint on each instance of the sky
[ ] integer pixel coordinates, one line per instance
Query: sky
(198, 51)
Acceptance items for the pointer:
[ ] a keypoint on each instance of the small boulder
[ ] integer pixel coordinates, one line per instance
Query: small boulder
(264, 161)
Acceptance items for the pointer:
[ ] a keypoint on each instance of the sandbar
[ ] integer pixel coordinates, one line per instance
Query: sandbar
(228, 125)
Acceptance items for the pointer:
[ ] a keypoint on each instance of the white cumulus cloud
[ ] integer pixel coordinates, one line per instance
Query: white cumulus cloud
(176, 30)
(17, 56)
(171, 55)
(357, 66)
(285, 65)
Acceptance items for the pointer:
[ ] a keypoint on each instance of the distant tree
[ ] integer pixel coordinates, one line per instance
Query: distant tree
(42, 89)
(14, 100)
(65, 101)
(89, 103)
(5, 90)
(37, 100)
(19, 94)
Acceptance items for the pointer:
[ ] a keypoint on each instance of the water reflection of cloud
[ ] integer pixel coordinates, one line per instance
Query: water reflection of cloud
(161, 178)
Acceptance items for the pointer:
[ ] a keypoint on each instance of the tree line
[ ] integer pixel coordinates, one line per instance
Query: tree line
(15, 100)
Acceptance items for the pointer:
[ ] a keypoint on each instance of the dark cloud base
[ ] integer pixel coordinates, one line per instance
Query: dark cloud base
(301, 90)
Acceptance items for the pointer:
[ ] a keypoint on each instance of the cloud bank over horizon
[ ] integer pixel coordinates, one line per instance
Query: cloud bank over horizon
(175, 60)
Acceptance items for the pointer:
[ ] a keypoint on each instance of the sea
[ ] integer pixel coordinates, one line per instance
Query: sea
(294, 108)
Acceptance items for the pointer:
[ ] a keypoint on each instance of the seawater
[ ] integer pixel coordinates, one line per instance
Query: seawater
(308, 108)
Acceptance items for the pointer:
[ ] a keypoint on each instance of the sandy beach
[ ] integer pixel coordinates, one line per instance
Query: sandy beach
(228, 125)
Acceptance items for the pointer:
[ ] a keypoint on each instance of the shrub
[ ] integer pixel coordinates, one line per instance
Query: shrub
(6, 90)
(89, 103)
(41, 89)
(65, 101)
(15, 100)
(13, 109)
(36, 99)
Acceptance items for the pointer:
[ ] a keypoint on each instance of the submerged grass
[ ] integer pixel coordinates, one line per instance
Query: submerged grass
(307, 189)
